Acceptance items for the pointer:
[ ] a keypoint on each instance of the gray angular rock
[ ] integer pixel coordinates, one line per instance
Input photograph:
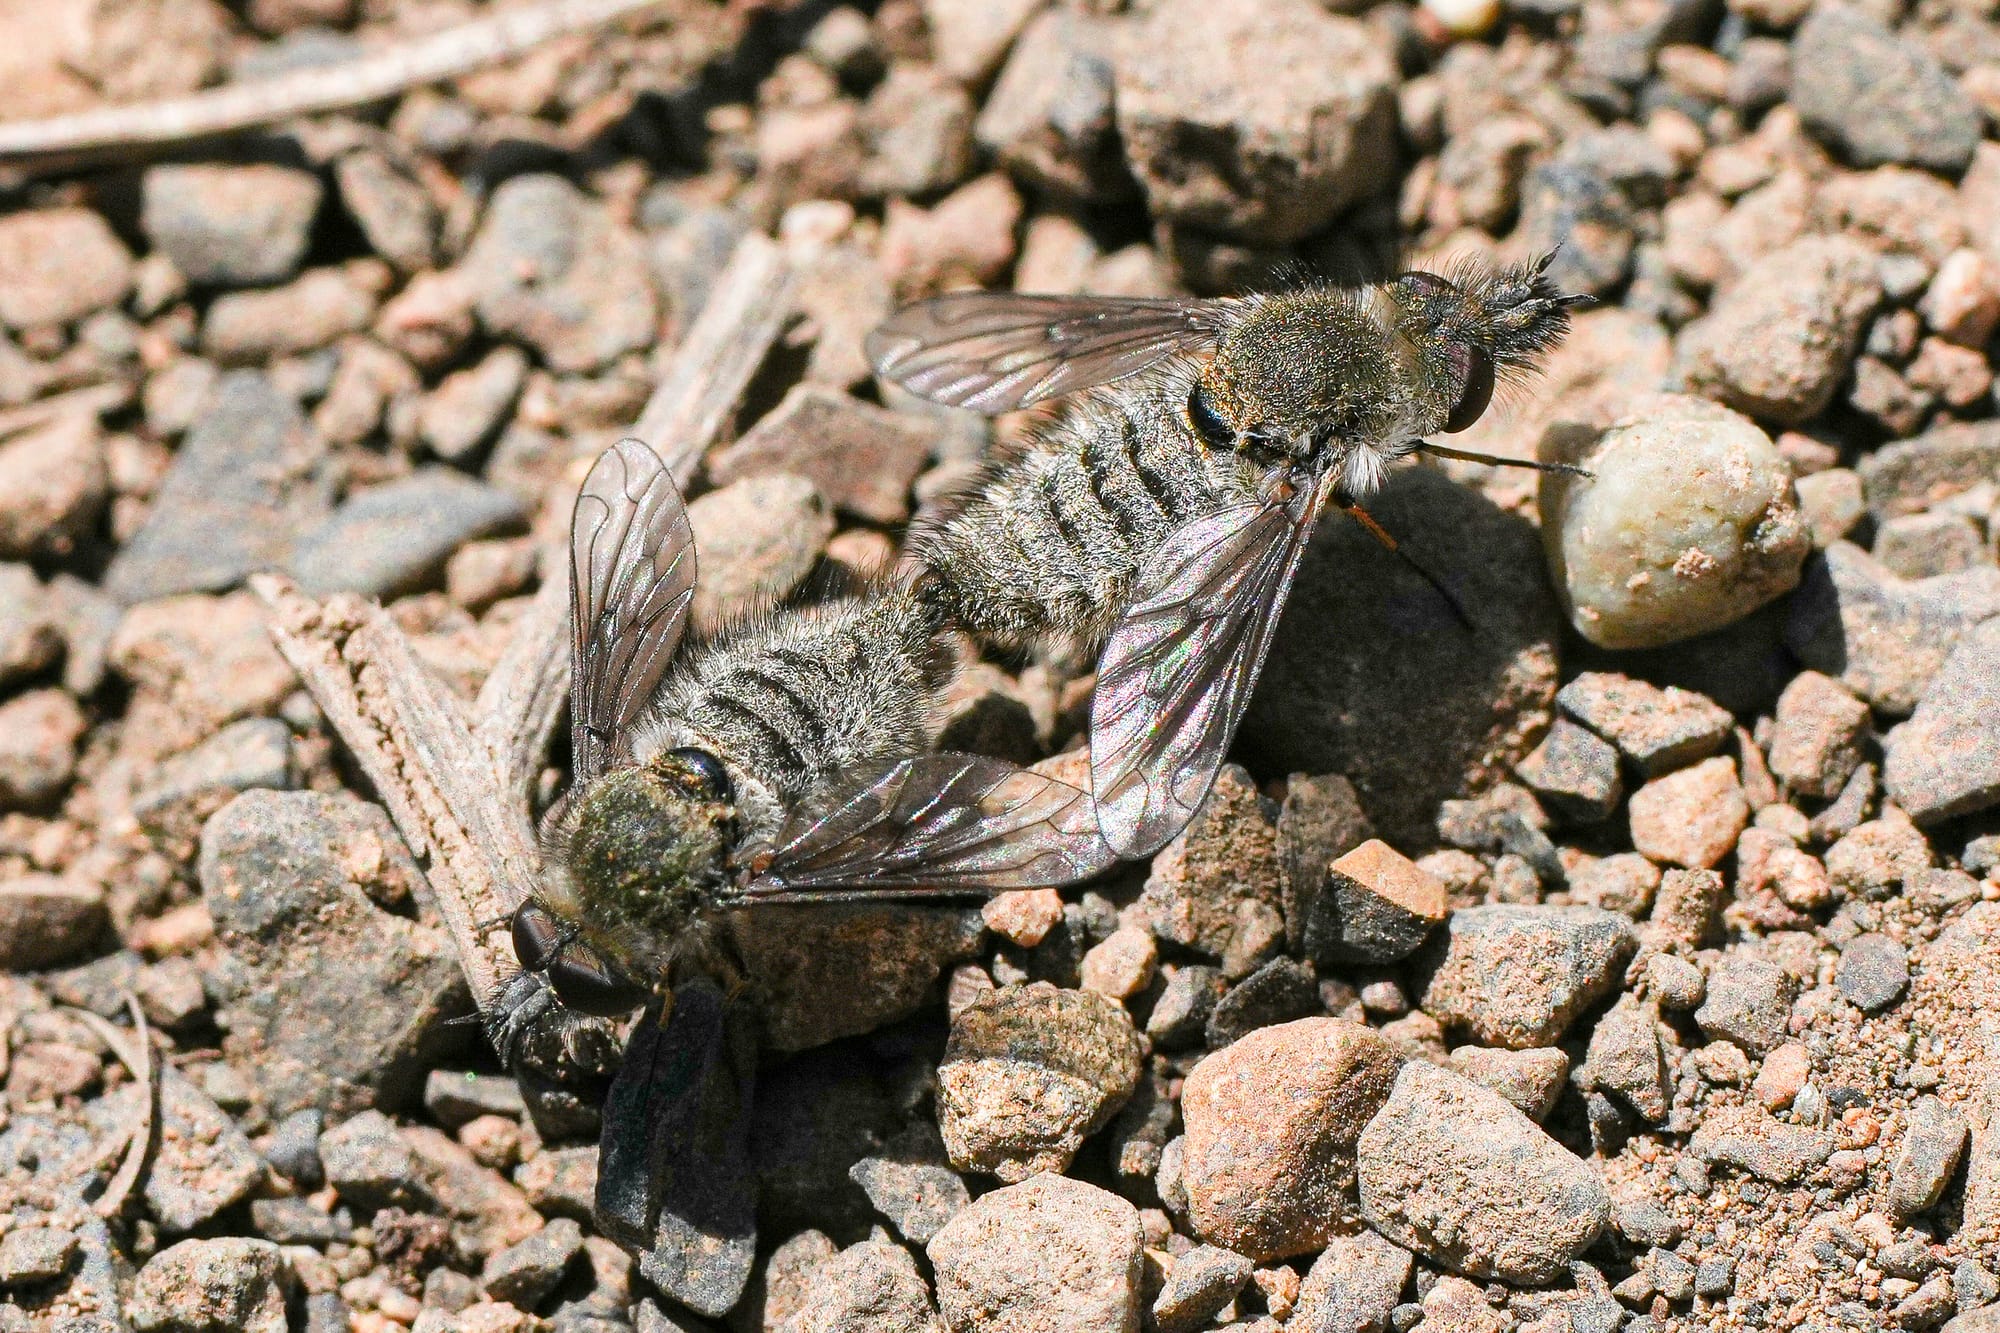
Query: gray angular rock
(230, 226)
(551, 268)
(393, 538)
(917, 124)
(186, 789)
(242, 484)
(372, 1165)
(1874, 971)
(1180, 1014)
(1627, 1057)
(31, 628)
(1204, 1279)
(228, 1285)
(1921, 546)
(390, 206)
(1909, 476)
(31, 1256)
(1353, 1286)
(1883, 637)
(822, 973)
(1874, 97)
(1749, 1002)
(330, 1000)
(1050, 1255)
(1049, 118)
(290, 1220)
(865, 1288)
(1532, 1079)
(1377, 906)
(1574, 772)
(1289, 120)
(1688, 523)
(912, 1184)
(1656, 729)
(527, 1272)
(1517, 976)
(39, 732)
(314, 311)
(1945, 760)
(204, 1165)
(1934, 1138)
(1210, 885)
(465, 411)
(1029, 1073)
(1271, 1125)
(1751, 1140)
(1456, 1173)
(1278, 992)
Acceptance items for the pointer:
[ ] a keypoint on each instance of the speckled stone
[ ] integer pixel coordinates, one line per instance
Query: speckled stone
(1050, 1255)
(1029, 1073)
(1458, 1174)
(1271, 1126)
(1518, 975)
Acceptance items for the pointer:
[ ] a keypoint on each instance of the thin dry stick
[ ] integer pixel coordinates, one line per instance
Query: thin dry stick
(135, 1051)
(313, 91)
(458, 783)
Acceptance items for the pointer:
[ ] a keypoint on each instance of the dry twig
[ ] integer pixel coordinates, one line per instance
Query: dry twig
(459, 781)
(315, 90)
(135, 1051)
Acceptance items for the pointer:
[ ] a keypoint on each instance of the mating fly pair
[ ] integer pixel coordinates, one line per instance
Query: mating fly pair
(1166, 516)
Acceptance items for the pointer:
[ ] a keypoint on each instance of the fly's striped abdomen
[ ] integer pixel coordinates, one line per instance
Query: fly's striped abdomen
(796, 698)
(1048, 541)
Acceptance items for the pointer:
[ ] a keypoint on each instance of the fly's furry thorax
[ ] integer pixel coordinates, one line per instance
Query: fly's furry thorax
(635, 863)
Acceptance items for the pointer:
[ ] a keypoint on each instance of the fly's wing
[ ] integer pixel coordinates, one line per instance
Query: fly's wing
(631, 581)
(996, 351)
(1177, 672)
(945, 823)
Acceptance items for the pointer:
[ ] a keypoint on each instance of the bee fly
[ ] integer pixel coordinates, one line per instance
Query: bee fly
(780, 764)
(1166, 517)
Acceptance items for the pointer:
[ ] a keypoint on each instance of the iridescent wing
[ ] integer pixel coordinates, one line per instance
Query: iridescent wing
(944, 823)
(996, 351)
(631, 581)
(1176, 674)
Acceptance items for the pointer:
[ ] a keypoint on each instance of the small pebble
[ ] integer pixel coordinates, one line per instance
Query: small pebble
(1874, 971)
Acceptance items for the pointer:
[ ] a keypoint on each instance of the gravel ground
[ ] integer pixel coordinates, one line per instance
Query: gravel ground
(1632, 962)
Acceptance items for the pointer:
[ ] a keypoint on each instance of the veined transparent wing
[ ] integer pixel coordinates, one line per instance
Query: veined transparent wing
(1176, 674)
(632, 570)
(948, 823)
(997, 351)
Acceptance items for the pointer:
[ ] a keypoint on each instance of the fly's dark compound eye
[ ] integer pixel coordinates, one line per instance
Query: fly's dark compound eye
(584, 984)
(708, 771)
(1208, 423)
(1475, 392)
(536, 937)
